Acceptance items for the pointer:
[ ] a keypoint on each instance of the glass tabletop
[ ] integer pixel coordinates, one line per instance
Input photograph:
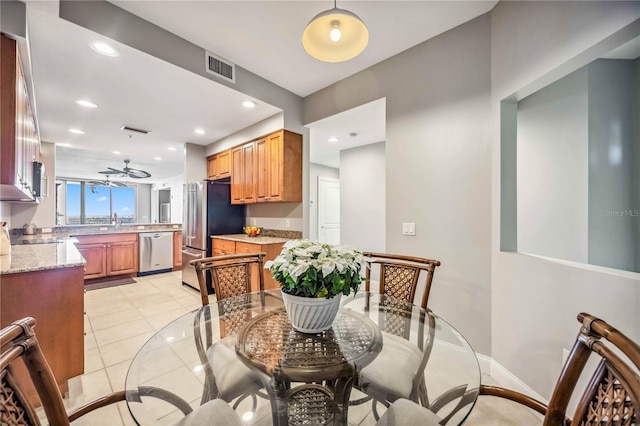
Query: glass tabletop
(378, 347)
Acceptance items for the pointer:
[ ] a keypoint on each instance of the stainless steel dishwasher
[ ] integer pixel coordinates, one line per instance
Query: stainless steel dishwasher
(156, 252)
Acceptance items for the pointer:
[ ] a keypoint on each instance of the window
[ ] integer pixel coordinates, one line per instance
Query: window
(88, 203)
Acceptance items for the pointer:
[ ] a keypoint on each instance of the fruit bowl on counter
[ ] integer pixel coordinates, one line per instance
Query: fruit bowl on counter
(252, 231)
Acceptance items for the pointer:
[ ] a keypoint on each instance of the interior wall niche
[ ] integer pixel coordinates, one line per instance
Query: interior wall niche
(578, 144)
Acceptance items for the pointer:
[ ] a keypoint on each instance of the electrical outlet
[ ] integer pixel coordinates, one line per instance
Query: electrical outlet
(103, 228)
(286, 223)
(46, 230)
(141, 227)
(409, 228)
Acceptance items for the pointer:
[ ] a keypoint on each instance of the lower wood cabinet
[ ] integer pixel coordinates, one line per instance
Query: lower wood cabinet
(223, 247)
(55, 298)
(109, 254)
(177, 250)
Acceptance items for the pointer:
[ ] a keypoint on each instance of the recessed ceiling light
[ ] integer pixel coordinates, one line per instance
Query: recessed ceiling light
(157, 158)
(117, 152)
(76, 131)
(104, 49)
(334, 139)
(66, 145)
(171, 148)
(86, 104)
(249, 104)
(199, 131)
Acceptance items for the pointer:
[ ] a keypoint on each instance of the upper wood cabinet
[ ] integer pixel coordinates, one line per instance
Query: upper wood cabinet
(219, 165)
(19, 139)
(268, 170)
(279, 167)
(243, 174)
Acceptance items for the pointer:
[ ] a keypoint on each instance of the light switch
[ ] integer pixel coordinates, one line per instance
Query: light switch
(408, 228)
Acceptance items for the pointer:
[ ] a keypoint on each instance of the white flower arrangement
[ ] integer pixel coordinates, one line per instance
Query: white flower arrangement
(312, 269)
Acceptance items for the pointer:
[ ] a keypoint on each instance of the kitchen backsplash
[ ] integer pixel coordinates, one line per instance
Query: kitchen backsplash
(281, 233)
(96, 229)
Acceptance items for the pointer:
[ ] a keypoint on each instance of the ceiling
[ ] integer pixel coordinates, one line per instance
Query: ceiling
(141, 91)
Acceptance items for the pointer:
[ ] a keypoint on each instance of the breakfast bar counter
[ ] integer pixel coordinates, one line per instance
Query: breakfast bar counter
(41, 256)
(43, 279)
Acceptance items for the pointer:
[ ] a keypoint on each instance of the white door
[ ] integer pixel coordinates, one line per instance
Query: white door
(328, 210)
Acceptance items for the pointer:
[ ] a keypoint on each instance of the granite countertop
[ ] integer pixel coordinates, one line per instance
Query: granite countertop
(244, 238)
(67, 231)
(114, 229)
(38, 257)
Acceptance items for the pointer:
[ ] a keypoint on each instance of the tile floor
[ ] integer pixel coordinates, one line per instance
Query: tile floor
(119, 320)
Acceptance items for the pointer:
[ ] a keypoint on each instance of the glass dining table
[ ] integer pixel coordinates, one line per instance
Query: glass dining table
(244, 351)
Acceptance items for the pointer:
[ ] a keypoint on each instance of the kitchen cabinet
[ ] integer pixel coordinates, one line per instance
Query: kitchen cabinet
(19, 138)
(96, 257)
(109, 255)
(279, 168)
(223, 247)
(177, 250)
(219, 165)
(55, 298)
(243, 171)
(268, 170)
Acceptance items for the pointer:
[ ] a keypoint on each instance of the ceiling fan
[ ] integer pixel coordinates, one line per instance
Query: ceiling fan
(127, 172)
(105, 182)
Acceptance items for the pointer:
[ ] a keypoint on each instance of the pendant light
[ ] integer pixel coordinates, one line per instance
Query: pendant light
(335, 35)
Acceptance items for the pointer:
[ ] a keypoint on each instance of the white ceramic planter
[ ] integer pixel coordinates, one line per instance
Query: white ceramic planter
(310, 314)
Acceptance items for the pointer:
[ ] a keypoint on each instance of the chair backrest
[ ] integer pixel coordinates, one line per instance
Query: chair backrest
(18, 341)
(231, 275)
(399, 275)
(612, 396)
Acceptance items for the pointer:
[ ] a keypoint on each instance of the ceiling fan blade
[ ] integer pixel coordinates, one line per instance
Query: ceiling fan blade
(137, 174)
(113, 171)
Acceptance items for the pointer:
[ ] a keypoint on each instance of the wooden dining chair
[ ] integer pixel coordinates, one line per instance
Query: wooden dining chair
(386, 380)
(19, 345)
(401, 275)
(612, 396)
(226, 377)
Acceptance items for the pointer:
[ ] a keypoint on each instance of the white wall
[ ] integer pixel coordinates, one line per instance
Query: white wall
(315, 171)
(535, 301)
(438, 163)
(42, 214)
(636, 155)
(362, 197)
(553, 170)
(143, 207)
(176, 184)
(613, 126)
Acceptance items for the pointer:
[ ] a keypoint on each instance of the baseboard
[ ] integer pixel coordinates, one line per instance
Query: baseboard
(505, 378)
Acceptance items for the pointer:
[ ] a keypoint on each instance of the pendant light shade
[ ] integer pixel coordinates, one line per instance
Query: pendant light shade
(335, 35)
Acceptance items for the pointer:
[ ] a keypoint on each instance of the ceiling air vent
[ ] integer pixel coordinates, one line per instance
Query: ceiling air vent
(220, 67)
(133, 129)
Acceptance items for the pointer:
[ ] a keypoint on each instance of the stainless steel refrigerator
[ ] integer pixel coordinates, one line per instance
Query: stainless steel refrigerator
(207, 211)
